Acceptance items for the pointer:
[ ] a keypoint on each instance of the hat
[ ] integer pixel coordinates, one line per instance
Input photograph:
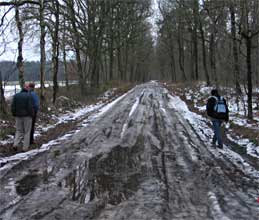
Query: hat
(214, 92)
(31, 85)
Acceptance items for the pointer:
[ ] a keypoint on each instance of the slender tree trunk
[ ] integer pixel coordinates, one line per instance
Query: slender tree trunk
(249, 78)
(126, 61)
(172, 64)
(3, 106)
(192, 59)
(65, 54)
(42, 53)
(19, 64)
(235, 51)
(213, 59)
(119, 63)
(195, 39)
(172, 57)
(257, 65)
(204, 56)
(111, 44)
(55, 52)
(65, 67)
(181, 56)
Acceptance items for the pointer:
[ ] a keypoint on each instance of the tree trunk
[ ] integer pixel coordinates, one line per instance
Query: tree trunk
(42, 53)
(119, 63)
(172, 58)
(111, 44)
(213, 59)
(192, 60)
(204, 56)
(195, 39)
(249, 78)
(65, 66)
(3, 106)
(19, 64)
(181, 56)
(235, 51)
(172, 64)
(55, 52)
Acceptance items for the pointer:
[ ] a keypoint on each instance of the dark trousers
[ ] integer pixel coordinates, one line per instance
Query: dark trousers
(217, 132)
(33, 128)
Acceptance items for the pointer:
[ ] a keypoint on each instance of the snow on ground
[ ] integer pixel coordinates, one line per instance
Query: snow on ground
(237, 117)
(237, 112)
(10, 90)
(217, 213)
(199, 123)
(65, 118)
(102, 108)
(135, 105)
(72, 116)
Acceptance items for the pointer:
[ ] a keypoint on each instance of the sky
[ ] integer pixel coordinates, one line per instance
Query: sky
(10, 39)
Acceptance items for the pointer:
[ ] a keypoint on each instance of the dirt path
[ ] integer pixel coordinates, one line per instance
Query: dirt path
(139, 160)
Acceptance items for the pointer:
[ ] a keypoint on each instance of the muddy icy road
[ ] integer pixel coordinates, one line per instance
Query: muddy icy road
(140, 159)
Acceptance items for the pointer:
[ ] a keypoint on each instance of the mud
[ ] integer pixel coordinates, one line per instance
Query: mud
(139, 160)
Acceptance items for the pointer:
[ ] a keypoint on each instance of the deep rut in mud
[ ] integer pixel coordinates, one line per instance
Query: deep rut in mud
(139, 160)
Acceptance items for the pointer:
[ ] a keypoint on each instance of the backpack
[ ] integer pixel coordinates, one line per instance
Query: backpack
(220, 108)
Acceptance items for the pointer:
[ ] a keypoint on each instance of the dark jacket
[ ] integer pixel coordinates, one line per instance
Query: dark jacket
(212, 113)
(22, 104)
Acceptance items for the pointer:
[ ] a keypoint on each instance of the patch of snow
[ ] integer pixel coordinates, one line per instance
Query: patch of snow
(200, 125)
(135, 105)
(251, 148)
(108, 106)
(8, 141)
(216, 210)
(108, 94)
(205, 90)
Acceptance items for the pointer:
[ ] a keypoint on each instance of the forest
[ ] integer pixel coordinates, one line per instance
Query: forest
(129, 109)
(138, 40)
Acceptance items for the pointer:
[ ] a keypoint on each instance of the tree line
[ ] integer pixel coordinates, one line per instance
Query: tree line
(32, 71)
(212, 40)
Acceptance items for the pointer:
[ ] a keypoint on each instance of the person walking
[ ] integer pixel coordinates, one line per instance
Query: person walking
(36, 104)
(22, 110)
(218, 111)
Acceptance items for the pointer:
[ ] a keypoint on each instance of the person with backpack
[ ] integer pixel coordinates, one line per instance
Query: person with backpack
(217, 110)
(22, 110)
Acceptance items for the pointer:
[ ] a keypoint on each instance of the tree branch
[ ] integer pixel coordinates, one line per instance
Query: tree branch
(3, 17)
(14, 3)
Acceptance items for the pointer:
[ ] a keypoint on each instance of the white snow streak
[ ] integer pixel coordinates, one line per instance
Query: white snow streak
(135, 105)
(216, 210)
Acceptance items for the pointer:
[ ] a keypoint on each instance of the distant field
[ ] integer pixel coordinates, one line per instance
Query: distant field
(13, 87)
